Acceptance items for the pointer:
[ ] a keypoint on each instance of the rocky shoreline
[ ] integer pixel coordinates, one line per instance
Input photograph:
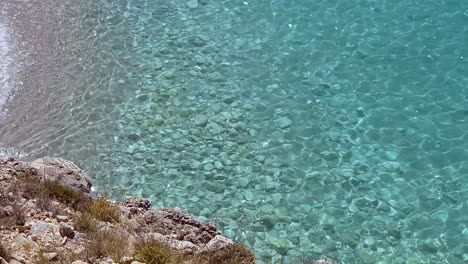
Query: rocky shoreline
(49, 215)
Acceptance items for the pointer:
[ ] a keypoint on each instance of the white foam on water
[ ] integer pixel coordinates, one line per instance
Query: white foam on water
(6, 67)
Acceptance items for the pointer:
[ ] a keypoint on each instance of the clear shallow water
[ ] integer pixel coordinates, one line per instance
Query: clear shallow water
(6, 67)
(304, 129)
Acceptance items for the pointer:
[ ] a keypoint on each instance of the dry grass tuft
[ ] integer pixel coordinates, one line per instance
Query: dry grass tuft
(76, 200)
(103, 210)
(44, 192)
(107, 243)
(19, 214)
(85, 222)
(5, 252)
(152, 251)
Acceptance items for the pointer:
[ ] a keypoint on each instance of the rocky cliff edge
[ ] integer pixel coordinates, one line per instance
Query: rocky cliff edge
(48, 215)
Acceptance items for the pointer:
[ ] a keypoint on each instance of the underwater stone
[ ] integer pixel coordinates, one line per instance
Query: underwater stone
(329, 155)
(432, 245)
(133, 137)
(192, 4)
(269, 221)
(334, 136)
(353, 208)
(158, 120)
(367, 256)
(228, 100)
(390, 155)
(348, 238)
(327, 220)
(244, 182)
(138, 156)
(415, 260)
(369, 241)
(131, 149)
(265, 252)
(172, 172)
(169, 74)
(200, 120)
(284, 122)
(282, 245)
(195, 165)
(215, 187)
(208, 167)
(199, 41)
(218, 165)
(391, 166)
(266, 209)
(157, 64)
(248, 195)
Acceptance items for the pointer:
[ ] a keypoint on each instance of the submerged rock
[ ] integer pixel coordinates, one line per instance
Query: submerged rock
(284, 122)
(192, 4)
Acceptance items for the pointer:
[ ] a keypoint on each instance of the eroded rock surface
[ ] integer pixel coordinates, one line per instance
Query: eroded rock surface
(64, 171)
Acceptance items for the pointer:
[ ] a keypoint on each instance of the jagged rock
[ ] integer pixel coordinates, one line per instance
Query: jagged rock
(79, 262)
(66, 230)
(186, 246)
(172, 223)
(3, 261)
(52, 256)
(143, 203)
(9, 167)
(45, 232)
(17, 257)
(218, 242)
(63, 171)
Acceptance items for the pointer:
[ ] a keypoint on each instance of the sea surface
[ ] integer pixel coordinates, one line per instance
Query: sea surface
(304, 129)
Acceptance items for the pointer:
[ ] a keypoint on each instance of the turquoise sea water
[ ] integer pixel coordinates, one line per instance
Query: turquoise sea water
(305, 129)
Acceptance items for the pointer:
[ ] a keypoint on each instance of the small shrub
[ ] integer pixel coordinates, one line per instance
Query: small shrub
(85, 222)
(66, 195)
(232, 254)
(103, 210)
(44, 191)
(19, 214)
(107, 243)
(152, 251)
(4, 252)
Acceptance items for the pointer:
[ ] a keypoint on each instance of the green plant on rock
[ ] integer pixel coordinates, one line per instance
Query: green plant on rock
(103, 210)
(152, 251)
(85, 222)
(108, 242)
(55, 189)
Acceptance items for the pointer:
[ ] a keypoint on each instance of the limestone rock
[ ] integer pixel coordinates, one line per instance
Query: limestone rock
(52, 256)
(79, 262)
(143, 203)
(9, 168)
(218, 242)
(66, 230)
(65, 172)
(45, 232)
